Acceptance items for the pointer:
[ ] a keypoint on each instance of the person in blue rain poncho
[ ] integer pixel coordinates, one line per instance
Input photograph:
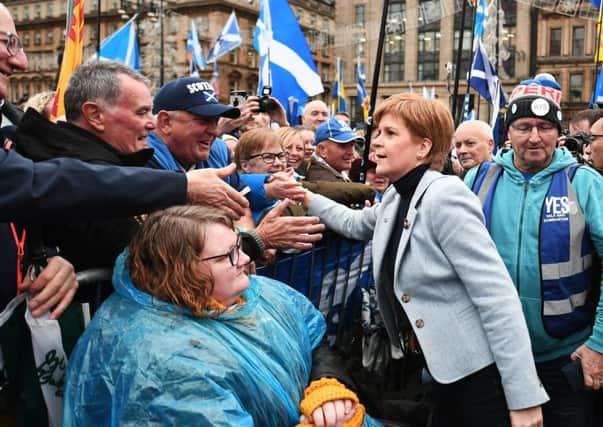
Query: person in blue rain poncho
(189, 339)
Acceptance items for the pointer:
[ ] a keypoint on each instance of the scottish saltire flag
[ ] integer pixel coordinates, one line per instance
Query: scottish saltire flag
(286, 63)
(596, 3)
(229, 39)
(481, 16)
(361, 92)
(425, 93)
(339, 102)
(72, 55)
(598, 92)
(194, 52)
(122, 46)
(467, 114)
(484, 79)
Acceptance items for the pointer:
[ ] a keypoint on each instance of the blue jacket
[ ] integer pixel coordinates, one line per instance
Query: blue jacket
(146, 362)
(515, 222)
(219, 156)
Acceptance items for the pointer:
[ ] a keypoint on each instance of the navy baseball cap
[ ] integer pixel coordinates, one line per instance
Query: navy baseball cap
(337, 131)
(193, 95)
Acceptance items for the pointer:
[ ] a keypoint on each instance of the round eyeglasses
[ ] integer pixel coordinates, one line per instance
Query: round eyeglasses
(269, 158)
(12, 42)
(232, 254)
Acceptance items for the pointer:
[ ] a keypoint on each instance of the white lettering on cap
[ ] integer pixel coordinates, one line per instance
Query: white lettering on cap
(198, 87)
(540, 107)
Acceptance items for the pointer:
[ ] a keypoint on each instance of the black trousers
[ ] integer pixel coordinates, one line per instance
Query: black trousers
(477, 400)
(567, 408)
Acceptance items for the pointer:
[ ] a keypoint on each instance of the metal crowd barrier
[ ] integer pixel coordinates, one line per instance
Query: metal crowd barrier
(332, 275)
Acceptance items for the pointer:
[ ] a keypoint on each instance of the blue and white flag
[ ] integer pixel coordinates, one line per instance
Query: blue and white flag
(286, 63)
(481, 16)
(194, 51)
(229, 39)
(598, 92)
(485, 81)
(339, 101)
(122, 46)
(467, 113)
(362, 96)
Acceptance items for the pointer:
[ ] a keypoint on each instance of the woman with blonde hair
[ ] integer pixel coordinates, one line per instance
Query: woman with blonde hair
(444, 293)
(293, 143)
(188, 339)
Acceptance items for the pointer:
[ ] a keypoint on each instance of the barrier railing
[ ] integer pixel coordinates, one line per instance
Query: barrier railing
(332, 275)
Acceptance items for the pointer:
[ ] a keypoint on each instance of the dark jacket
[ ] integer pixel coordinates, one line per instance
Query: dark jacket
(318, 171)
(86, 244)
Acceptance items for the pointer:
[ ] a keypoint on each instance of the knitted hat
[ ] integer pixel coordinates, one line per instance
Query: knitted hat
(539, 97)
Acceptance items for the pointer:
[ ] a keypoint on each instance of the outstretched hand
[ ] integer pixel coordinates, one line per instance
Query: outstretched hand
(206, 187)
(297, 232)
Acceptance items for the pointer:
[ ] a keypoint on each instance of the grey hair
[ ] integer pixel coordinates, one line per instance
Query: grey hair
(96, 80)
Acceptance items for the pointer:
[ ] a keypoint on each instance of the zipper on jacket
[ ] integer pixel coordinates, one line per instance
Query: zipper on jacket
(523, 205)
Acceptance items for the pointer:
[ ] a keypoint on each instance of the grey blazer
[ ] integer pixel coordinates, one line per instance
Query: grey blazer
(452, 283)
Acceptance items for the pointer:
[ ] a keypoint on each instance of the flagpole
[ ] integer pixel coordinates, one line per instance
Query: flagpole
(597, 52)
(374, 85)
(468, 89)
(457, 72)
(98, 29)
(161, 41)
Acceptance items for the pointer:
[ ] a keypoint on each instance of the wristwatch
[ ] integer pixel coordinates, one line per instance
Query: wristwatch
(251, 243)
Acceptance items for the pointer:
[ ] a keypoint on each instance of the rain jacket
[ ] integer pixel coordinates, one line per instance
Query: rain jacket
(146, 362)
(515, 223)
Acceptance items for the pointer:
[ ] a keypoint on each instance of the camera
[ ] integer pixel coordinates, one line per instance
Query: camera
(574, 144)
(238, 98)
(267, 104)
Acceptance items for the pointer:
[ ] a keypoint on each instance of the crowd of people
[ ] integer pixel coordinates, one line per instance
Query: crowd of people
(488, 276)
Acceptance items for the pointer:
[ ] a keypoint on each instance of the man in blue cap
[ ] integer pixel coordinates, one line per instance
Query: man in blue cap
(543, 212)
(186, 138)
(187, 125)
(334, 152)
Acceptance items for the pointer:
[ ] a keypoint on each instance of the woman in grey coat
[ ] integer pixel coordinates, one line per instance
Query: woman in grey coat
(437, 268)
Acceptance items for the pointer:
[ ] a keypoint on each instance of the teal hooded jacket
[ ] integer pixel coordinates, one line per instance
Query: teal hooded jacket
(515, 223)
(144, 362)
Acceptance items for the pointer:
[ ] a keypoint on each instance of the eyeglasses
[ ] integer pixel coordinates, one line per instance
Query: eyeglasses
(269, 158)
(526, 128)
(12, 42)
(233, 254)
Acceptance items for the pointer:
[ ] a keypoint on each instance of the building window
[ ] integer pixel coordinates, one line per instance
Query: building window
(50, 9)
(555, 42)
(38, 11)
(466, 58)
(49, 37)
(233, 57)
(360, 15)
(251, 58)
(233, 85)
(25, 13)
(393, 72)
(429, 55)
(251, 32)
(578, 41)
(576, 82)
(25, 38)
(38, 38)
(324, 73)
